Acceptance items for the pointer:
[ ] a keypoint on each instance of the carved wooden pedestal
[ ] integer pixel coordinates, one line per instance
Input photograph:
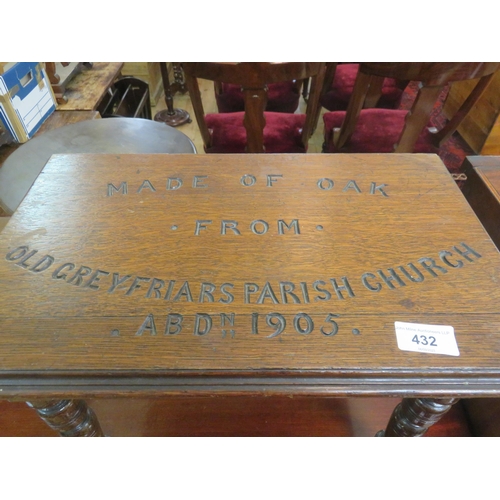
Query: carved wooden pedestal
(71, 418)
(171, 116)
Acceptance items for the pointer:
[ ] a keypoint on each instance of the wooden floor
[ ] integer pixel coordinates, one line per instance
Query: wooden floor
(233, 416)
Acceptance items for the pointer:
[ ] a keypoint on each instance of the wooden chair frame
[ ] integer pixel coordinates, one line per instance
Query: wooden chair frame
(253, 78)
(433, 78)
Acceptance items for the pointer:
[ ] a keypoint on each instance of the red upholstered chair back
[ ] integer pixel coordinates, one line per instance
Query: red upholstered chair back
(282, 97)
(254, 130)
(339, 85)
(340, 130)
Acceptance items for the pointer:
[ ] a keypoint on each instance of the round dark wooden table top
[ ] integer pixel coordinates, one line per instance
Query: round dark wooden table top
(111, 135)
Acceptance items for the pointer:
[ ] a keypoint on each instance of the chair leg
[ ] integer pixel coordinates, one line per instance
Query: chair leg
(305, 89)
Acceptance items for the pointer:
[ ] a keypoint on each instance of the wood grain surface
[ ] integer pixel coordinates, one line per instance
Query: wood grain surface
(491, 145)
(87, 89)
(62, 118)
(95, 283)
(482, 190)
(480, 126)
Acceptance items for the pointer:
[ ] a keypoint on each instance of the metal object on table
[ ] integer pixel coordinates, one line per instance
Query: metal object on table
(113, 135)
(171, 116)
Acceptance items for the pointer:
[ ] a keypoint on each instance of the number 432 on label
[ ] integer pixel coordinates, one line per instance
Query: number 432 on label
(430, 339)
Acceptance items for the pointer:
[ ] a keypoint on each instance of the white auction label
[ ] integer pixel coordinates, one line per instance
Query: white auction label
(430, 339)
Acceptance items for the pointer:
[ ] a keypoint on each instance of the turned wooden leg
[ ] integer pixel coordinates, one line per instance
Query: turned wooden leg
(413, 417)
(71, 418)
(171, 116)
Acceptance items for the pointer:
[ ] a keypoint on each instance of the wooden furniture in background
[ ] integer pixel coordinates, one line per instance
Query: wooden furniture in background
(254, 130)
(338, 86)
(130, 98)
(60, 74)
(482, 190)
(171, 116)
(149, 72)
(491, 145)
(245, 275)
(178, 85)
(361, 130)
(481, 127)
(88, 89)
(282, 97)
(60, 119)
(209, 104)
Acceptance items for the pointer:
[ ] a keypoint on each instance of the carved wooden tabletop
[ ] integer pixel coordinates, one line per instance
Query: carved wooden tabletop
(278, 274)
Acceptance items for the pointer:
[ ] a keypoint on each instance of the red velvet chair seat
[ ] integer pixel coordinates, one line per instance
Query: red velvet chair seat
(282, 133)
(282, 97)
(377, 131)
(338, 97)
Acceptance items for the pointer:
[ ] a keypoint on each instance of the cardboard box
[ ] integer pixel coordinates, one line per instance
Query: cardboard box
(26, 99)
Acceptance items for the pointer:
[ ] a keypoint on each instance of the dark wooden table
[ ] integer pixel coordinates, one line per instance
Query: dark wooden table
(55, 120)
(277, 275)
(110, 135)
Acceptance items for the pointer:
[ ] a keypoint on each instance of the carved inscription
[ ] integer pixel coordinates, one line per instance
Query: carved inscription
(232, 227)
(259, 294)
(247, 181)
(258, 226)
(284, 292)
(269, 325)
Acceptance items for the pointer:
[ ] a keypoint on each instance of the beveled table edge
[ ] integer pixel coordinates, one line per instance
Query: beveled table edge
(340, 384)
